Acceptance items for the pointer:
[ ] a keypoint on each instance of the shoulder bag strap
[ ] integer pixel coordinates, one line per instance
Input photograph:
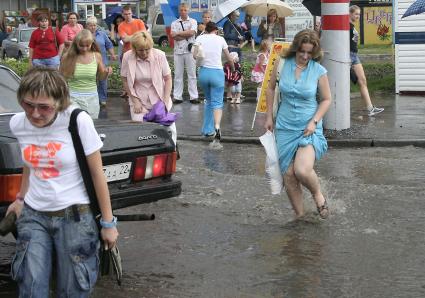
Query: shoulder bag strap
(82, 161)
(181, 23)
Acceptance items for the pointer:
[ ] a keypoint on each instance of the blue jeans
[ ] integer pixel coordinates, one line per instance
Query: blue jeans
(212, 83)
(75, 245)
(52, 62)
(102, 90)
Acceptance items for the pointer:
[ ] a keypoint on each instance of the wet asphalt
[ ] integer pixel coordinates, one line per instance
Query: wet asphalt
(227, 236)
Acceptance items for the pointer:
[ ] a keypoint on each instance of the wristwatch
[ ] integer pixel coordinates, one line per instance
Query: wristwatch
(108, 225)
(315, 121)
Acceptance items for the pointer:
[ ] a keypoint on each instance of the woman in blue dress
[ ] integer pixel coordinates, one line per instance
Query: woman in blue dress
(298, 127)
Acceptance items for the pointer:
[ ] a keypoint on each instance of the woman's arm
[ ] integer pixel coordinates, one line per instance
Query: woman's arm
(94, 161)
(167, 89)
(17, 205)
(229, 59)
(102, 71)
(325, 102)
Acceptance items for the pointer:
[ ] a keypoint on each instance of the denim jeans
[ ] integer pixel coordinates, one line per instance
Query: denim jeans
(102, 90)
(212, 82)
(52, 62)
(75, 244)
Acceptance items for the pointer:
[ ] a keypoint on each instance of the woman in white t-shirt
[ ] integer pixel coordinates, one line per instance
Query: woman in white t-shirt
(211, 77)
(53, 206)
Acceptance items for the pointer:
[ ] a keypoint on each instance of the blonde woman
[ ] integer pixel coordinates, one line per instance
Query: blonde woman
(273, 29)
(82, 66)
(146, 77)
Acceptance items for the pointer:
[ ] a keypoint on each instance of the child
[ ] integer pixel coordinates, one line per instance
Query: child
(257, 73)
(234, 79)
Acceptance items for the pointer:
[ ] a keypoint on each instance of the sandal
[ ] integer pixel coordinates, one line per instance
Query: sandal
(323, 210)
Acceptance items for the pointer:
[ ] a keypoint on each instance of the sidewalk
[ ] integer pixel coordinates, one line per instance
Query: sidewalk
(402, 123)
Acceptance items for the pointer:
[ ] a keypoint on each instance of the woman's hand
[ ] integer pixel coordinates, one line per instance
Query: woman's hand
(109, 236)
(311, 127)
(137, 105)
(16, 207)
(108, 70)
(268, 125)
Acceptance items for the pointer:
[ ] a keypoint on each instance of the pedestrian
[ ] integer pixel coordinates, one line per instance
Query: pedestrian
(211, 78)
(357, 65)
(206, 17)
(115, 37)
(46, 45)
(52, 206)
(81, 66)
(22, 23)
(146, 77)
(298, 127)
(246, 29)
(271, 29)
(129, 27)
(233, 33)
(233, 77)
(54, 22)
(105, 45)
(259, 69)
(183, 31)
(71, 28)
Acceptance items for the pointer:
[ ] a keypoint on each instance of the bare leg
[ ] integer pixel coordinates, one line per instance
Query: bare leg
(243, 44)
(217, 118)
(361, 77)
(303, 168)
(294, 191)
(253, 45)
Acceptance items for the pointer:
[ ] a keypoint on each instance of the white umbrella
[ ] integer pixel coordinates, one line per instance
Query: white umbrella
(225, 8)
(259, 8)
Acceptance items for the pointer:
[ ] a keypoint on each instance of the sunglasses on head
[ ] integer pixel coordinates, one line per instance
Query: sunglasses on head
(42, 108)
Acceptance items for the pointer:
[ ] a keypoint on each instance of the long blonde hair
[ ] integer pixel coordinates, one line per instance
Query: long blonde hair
(67, 66)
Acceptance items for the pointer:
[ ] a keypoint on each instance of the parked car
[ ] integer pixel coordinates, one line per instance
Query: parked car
(138, 160)
(16, 44)
(156, 27)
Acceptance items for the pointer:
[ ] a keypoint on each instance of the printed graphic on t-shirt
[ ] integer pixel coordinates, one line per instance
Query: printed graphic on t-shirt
(44, 160)
(355, 36)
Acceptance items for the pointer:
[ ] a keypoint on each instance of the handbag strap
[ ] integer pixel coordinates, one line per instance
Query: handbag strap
(181, 23)
(82, 162)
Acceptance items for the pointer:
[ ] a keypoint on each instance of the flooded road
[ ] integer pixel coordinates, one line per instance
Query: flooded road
(226, 236)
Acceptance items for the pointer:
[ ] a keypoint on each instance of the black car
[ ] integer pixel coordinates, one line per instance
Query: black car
(138, 160)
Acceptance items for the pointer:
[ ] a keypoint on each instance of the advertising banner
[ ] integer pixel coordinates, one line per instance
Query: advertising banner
(377, 23)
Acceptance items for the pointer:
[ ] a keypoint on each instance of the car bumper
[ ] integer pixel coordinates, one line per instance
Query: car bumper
(134, 195)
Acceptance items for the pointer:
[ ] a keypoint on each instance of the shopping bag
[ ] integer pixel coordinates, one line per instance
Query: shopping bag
(273, 173)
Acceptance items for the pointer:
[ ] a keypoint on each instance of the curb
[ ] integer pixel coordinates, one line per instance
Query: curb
(339, 143)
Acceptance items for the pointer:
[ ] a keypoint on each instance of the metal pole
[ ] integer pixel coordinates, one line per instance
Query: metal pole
(335, 43)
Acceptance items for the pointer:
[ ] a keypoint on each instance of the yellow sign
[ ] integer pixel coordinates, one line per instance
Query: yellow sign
(378, 25)
(276, 50)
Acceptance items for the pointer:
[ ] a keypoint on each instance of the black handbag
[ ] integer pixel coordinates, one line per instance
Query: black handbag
(110, 260)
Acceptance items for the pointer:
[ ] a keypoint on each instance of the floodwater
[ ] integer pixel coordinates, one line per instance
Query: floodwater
(226, 236)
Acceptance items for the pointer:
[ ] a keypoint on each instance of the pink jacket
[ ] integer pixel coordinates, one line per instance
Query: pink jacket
(158, 62)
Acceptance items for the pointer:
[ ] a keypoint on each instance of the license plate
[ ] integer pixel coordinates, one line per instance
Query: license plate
(117, 171)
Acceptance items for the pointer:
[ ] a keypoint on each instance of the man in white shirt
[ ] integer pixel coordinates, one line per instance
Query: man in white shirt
(183, 31)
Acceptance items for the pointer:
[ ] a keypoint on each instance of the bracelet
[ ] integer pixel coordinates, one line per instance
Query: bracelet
(20, 199)
(108, 225)
(315, 121)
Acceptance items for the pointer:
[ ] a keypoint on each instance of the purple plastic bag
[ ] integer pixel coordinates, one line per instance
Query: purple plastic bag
(159, 114)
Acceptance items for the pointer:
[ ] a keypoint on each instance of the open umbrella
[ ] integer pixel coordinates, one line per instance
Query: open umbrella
(225, 8)
(417, 7)
(259, 8)
(313, 6)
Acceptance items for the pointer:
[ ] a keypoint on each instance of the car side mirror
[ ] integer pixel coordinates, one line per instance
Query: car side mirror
(14, 39)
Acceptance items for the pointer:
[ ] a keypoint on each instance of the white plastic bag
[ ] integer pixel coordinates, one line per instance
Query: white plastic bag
(272, 162)
(198, 53)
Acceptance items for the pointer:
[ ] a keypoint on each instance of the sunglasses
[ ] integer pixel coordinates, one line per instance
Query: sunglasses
(29, 107)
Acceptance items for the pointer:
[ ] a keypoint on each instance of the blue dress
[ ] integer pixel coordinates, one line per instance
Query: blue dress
(297, 107)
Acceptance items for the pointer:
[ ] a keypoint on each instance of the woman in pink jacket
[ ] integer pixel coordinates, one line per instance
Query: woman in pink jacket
(71, 29)
(146, 77)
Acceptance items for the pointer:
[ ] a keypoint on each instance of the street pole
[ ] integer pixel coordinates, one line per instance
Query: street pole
(336, 46)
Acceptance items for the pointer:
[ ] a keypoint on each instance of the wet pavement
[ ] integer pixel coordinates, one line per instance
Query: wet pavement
(401, 123)
(227, 236)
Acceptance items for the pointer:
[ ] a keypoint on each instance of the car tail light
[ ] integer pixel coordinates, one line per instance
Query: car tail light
(9, 187)
(147, 167)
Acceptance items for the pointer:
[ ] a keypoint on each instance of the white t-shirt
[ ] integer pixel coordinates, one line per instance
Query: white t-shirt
(55, 180)
(212, 46)
(180, 46)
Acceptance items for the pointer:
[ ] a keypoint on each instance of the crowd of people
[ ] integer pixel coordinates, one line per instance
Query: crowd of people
(69, 69)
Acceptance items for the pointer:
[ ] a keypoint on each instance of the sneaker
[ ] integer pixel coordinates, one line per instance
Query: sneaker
(194, 101)
(375, 111)
(217, 134)
(103, 104)
(177, 100)
(238, 100)
(233, 100)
